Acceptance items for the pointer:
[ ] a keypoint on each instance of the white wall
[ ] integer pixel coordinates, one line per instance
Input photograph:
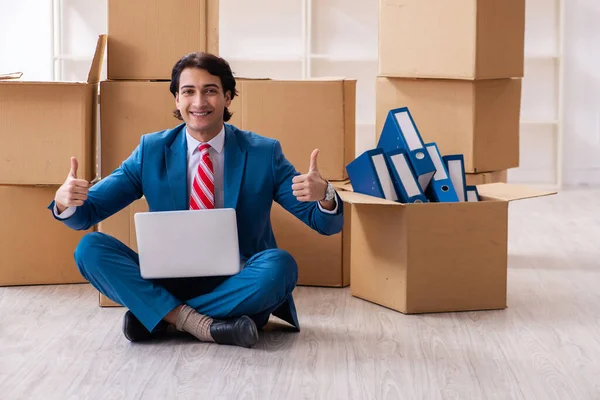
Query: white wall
(25, 40)
(582, 92)
(344, 42)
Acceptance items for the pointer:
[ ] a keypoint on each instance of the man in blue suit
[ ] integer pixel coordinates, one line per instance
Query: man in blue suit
(175, 170)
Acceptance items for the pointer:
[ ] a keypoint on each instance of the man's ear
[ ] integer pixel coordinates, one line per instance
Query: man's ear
(227, 98)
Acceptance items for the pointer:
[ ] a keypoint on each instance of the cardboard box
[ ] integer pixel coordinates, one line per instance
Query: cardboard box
(129, 109)
(146, 38)
(459, 39)
(121, 226)
(432, 257)
(44, 124)
(302, 115)
(322, 260)
(479, 119)
(36, 248)
(486, 177)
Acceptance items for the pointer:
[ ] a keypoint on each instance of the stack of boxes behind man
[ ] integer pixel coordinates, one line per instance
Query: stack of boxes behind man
(143, 46)
(457, 66)
(43, 124)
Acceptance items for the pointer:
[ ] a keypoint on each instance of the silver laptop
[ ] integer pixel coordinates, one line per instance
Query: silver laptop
(188, 243)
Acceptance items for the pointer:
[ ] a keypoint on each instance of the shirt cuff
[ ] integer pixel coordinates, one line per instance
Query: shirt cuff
(334, 211)
(65, 214)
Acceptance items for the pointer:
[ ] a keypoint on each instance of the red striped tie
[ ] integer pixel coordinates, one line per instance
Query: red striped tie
(203, 186)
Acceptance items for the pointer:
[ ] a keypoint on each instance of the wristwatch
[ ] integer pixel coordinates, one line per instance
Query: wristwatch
(330, 192)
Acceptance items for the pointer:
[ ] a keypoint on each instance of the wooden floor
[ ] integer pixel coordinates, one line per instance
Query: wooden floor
(56, 343)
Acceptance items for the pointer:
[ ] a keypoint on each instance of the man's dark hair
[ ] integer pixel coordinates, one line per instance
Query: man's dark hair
(213, 65)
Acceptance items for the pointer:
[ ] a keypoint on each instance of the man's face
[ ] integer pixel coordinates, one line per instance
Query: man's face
(201, 101)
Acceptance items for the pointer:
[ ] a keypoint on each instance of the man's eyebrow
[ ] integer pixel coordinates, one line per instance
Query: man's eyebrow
(208, 85)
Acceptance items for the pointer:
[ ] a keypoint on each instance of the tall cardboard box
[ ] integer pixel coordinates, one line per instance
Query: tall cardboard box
(44, 124)
(302, 115)
(36, 248)
(146, 38)
(121, 226)
(129, 109)
(432, 257)
(479, 119)
(322, 260)
(458, 39)
(486, 177)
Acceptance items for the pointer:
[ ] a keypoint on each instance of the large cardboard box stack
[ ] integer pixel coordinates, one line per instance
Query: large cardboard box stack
(42, 125)
(457, 65)
(272, 108)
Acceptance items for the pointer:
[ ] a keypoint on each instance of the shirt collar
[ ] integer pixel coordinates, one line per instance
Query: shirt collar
(216, 143)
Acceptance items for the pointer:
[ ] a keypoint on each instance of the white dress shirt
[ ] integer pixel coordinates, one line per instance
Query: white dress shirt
(193, 158)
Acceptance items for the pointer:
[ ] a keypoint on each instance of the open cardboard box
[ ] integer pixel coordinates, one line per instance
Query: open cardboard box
(432, 257)
(43, 124)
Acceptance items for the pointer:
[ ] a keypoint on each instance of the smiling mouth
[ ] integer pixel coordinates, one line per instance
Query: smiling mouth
(200, 114)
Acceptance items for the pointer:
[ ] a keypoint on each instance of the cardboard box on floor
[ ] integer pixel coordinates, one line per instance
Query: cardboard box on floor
(486, 177)
(479, 119)
(322, 260)
(36, 248)
(122, 227)
(302, 115)
(43, 124)
(147, 38)
(432, 257)
(129, 109)
(459, 39)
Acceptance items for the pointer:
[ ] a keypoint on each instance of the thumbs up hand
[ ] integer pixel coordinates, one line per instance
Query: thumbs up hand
(310, 186)
(73, 191)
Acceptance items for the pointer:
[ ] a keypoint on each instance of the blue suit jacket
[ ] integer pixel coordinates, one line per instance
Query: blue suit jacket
(256, 173)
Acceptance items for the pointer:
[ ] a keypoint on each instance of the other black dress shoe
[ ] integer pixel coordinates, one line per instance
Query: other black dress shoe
(237, 332)
(135, 331)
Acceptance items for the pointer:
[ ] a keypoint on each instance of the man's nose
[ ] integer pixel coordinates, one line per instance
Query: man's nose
(200, 99)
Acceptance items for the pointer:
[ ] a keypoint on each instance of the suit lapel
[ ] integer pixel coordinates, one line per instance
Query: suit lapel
(235, 159)
(176, 160)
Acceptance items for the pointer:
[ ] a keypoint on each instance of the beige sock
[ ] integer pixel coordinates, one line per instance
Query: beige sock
(194, 323)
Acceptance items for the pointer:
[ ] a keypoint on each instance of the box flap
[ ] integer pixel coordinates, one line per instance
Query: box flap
(509, 192)
(359, 198)
(11, 75)
(96, 67)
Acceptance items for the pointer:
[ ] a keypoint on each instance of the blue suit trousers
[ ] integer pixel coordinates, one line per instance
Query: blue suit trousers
(265, 283)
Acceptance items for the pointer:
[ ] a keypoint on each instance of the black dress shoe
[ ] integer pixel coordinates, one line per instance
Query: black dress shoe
(135, 331)
(237, 332)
